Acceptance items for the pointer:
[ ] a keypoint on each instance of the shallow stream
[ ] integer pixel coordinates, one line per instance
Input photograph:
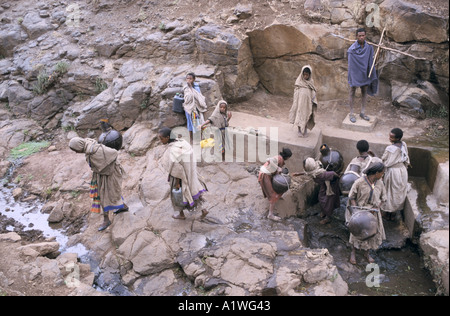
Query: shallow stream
(27, 219)
(397, 271)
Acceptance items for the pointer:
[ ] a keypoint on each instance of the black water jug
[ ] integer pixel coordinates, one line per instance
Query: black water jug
(346, 181)
(281, 182)
(362, 224)
(331, 159)
(178, 101)
(110, 137)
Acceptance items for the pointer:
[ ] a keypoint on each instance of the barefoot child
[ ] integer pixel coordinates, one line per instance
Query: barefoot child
(305, 103)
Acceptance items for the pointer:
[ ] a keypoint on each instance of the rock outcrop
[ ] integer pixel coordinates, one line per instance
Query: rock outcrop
(125, 61)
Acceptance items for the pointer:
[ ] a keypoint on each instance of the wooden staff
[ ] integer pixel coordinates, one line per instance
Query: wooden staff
(376, 54)
(381, 46)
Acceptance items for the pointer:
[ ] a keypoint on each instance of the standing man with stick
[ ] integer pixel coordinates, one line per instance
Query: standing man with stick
(360, 61)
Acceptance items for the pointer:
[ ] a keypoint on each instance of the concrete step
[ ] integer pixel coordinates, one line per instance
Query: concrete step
(275, 134)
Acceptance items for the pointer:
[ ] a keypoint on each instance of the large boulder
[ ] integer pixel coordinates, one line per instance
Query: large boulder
(11, 35)
(280, 51)
(406, 22)
(416, 99)
(233, 57)
(34, 25)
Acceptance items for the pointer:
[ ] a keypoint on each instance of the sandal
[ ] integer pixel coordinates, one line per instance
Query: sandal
(178, 217)
(364, 117)
(352, 118)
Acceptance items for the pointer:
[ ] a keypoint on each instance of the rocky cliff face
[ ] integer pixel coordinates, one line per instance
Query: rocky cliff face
(65, 65)
(69, 64)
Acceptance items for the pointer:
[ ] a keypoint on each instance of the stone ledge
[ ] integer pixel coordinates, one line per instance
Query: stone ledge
(360, 125)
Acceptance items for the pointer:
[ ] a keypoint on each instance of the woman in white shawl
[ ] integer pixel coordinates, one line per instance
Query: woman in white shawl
(305, 103)
(194, 104)
(180, 163)
(106, 183)
(396, 160)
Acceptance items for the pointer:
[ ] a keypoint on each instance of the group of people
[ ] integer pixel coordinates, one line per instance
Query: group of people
(381, 183)
(380, 187)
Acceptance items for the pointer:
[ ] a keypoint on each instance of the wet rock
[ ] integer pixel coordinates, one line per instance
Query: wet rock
(11, 237)
(57, 214)
(17, 193)
(4, 166)
(416, 100)
(435, 244)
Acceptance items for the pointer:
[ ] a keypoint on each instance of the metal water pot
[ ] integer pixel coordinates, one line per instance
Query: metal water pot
(363, 224)
(281, 182)
(331, 159)
(111, 139)
(346, 181)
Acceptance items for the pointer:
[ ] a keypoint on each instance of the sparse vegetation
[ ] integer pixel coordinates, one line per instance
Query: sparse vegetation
(27, 149)
(100, 85)
(40, 87)
(46, 81)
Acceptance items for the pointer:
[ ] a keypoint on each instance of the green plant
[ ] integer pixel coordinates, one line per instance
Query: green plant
(75, 194)
(440, 112)
(100, 85)
(45, 81)
(40, 87)
(61, 67)
(27, 149)
(144, 104)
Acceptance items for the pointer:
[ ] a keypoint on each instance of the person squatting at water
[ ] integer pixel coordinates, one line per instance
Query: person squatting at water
(194, 105)
(267, 171)
(396, 160)
(329, 191)
(107, 174)
(360, 58)
(220, 119)
(304, 105)
(181, 166)
(368, 192)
